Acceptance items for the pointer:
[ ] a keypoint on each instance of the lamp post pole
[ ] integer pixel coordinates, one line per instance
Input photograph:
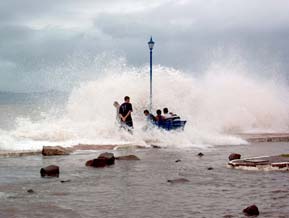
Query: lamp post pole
(151, 46)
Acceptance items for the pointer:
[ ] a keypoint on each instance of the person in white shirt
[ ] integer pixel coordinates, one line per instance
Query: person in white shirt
(166, 113)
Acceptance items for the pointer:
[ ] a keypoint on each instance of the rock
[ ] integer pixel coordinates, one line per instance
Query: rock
(63, 181)
(108, 157)
(30, 191)
(103, 160)
(200, 154)
(55, 150)
(180, 180)
(96, 163)
(127, 157)
(156, 146)
(251, 211)
(89, 163)
(234, 156)
(50, 171)
(129, 147)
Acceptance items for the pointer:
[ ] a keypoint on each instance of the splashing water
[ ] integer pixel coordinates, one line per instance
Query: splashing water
(216, 105)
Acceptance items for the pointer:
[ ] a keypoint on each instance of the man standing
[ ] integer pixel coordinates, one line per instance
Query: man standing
(125, 113)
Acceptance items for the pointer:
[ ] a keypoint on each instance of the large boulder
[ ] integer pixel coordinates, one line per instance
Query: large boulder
(127, 157)
(96, 163)
(251, 211)
(55, 150)
(50, 171)
(234, 156)
(108, 157)
(104, 159)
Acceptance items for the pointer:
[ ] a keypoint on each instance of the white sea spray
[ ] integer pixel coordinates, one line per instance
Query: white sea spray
(216, 104)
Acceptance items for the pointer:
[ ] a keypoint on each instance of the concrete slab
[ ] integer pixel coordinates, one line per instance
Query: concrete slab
(265, 163)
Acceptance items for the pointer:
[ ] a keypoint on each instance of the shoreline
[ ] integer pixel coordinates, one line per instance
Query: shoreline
(74, 148)
(249, 137)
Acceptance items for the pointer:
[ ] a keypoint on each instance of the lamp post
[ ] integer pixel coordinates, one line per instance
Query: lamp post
(151, 46)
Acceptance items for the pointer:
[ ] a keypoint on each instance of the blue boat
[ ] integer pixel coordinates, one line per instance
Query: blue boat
(174, 123)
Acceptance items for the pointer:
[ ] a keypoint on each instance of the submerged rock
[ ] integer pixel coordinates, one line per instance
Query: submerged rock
(200, 154)
(234, 156)
(180, 180)
(55, 150)
(104, 159)
(30, 191)
(178, 160)
(50, 171)
(210, 168)
(127, 157)
(251, 211)
(156, 146)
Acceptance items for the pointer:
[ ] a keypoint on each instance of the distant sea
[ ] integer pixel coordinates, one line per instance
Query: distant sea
(32, 105)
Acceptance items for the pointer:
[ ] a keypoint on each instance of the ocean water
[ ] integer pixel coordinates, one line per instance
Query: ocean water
(132, 189)
(216, 104)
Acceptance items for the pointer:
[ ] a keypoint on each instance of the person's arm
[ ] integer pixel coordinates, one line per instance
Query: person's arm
(128, 113)
(120, 113)
(122, 117)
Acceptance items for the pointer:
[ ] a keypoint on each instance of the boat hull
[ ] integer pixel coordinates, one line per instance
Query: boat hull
(171, 124)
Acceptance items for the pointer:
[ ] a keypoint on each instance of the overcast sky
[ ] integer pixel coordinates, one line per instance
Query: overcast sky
(41, 41)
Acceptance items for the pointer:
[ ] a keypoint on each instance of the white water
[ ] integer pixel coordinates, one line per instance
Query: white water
(220, 102)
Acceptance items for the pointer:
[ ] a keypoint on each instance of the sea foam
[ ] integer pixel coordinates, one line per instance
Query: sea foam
(216, 104)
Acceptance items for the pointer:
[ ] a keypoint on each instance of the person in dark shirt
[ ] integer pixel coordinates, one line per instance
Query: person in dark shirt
(125, 110)
(159, 116)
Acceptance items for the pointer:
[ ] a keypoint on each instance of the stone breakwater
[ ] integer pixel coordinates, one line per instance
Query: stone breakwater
(18, 153)
(264, 137)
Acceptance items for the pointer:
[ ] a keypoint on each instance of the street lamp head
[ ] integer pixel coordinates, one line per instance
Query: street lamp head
(151, 44)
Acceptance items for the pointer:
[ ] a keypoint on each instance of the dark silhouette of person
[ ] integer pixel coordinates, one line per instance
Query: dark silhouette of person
(125, 110)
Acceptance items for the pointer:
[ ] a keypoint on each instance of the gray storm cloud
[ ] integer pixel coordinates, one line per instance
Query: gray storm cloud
(47, 40)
